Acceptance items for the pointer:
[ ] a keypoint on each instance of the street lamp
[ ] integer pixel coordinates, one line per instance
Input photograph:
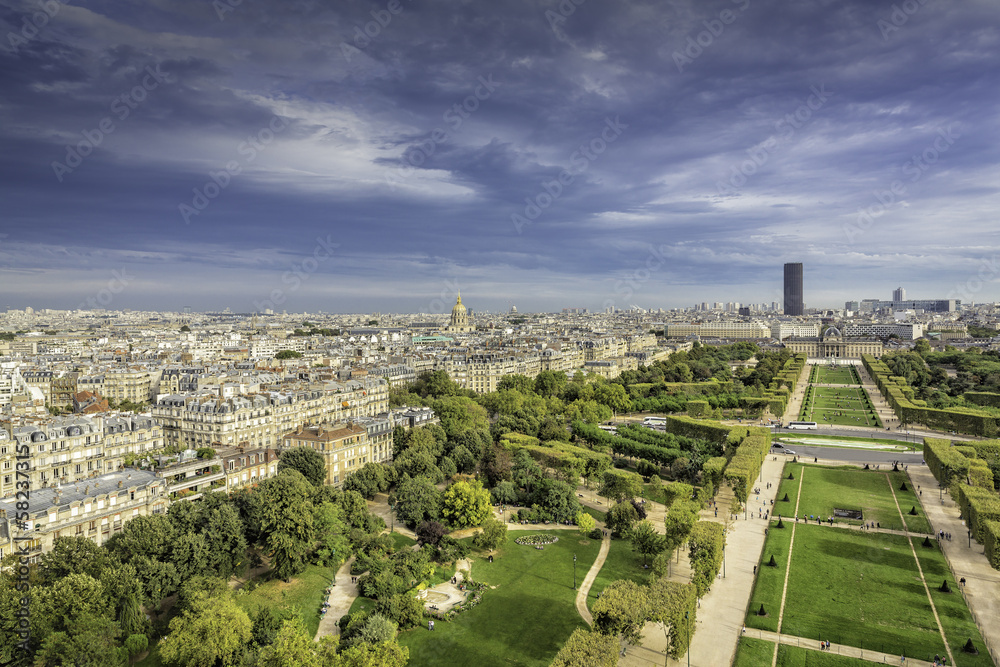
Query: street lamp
(970, 537)
(687, 622)
(574, 572)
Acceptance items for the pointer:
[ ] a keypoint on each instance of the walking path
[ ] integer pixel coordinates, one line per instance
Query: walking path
(723, 609)
(839, 649)
(588, 581)
(966, 560)
(342, 595)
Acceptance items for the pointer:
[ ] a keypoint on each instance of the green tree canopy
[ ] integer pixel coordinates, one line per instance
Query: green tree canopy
(307, 461)
(466, 504)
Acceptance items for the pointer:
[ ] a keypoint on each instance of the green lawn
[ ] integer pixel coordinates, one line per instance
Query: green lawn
(400, 541)
(525, 616)
(870, 491)
(304, 593)
(838, 375)
(951, 608)
(622, 563)
(770, 580)
(858, 589)
(831, 406)
(752, 652)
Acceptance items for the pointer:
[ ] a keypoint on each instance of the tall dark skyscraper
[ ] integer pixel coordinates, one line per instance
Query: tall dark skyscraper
(793, 289)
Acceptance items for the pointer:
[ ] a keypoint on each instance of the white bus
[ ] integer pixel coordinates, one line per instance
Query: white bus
(802, 425)
(654, 421)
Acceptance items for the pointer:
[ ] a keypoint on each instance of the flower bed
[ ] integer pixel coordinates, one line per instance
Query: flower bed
(536, 540)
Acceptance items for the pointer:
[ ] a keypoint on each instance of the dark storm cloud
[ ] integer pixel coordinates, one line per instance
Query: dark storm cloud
(413, 134)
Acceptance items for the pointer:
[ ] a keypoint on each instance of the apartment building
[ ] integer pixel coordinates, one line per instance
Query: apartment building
(95, 508)
(344, 447)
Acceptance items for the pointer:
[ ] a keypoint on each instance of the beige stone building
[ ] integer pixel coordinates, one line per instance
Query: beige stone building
(345, 447)
(833, 344)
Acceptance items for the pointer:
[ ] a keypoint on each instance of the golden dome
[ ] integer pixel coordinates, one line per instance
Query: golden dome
(459, 308)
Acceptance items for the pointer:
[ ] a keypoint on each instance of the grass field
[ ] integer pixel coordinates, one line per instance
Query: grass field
(770, 580)
(870, 491)
(525, 616)
(304, 594)
(622, 563)
(793, 656)
(753, 653)
(838, 406)
(836, 375)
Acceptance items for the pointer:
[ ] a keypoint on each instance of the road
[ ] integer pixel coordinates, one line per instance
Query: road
(805, 453)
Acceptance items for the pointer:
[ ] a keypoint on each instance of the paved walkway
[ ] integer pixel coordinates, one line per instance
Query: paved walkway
(982, 590)
(588, 580)
(342, 595)
(838, 649)
(723, 608)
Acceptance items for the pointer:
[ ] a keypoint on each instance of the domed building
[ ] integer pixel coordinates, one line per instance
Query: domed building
(460, 318)
(833, 344)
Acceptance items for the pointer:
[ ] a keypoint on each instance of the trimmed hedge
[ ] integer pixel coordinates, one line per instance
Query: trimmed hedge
(992, 543)
(978, 506)
(945, 463)
(713, 470)
(982, 398)
(676, 606)
(909, 411)
(745, 465)
(707, 541)
(703, 429)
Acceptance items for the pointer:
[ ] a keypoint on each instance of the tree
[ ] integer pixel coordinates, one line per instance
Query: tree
(550, 383)
(386, 654)
(376, 629)
(307, 461)
(466, 504)
(621, 517)
(72, 555)
(288, 354)
(922, 347)
(585, 648)
(613, 396)
(214, 630)
(585, 523)
(621, 610)
(430, 532)
(417, 499)
(368, 481)
(287, 521)
(185, 328)
(494, 535)
(645, 540)
(504, 493)
(291, 646)
(90, 640)
(619, 485)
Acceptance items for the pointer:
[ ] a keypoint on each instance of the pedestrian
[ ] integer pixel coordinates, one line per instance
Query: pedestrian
(755, 570)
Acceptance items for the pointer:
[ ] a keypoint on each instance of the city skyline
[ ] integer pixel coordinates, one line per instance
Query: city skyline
(383, 156)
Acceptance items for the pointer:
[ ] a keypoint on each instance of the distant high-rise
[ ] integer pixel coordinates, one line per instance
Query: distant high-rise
(899, 294)
(793, 289)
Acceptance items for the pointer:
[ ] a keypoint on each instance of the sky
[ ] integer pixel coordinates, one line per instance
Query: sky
(383, 156)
